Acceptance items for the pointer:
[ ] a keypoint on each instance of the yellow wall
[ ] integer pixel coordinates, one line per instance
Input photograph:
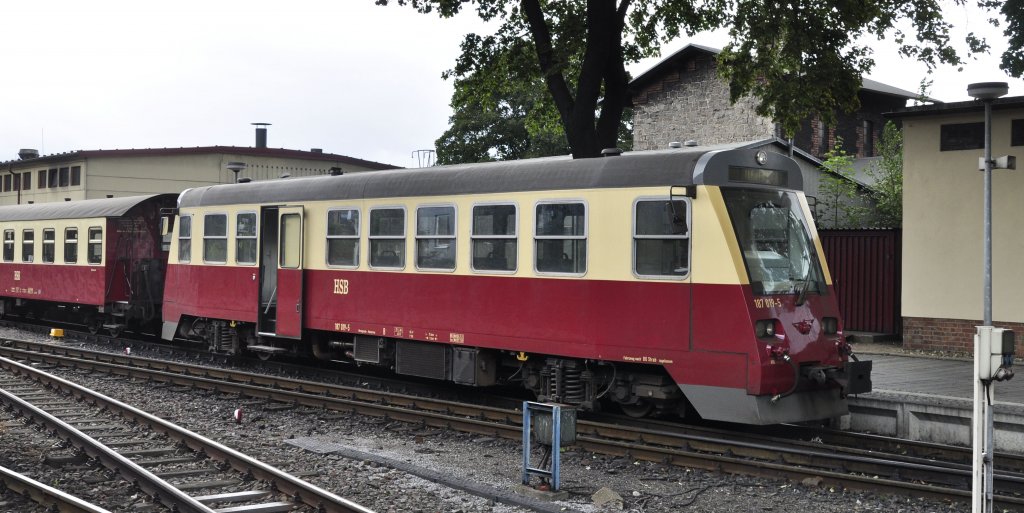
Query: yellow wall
(942, 223)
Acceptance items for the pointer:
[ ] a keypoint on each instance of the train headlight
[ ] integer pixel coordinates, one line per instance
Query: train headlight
(830, 325)
(765, 328)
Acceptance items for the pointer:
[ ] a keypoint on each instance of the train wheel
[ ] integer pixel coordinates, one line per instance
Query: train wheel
(638, 409)
(93, 324)
(263, 355)
(115, 331)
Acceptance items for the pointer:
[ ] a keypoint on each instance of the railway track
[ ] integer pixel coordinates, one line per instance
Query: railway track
(167, 462)
(45, 496)
(830, 458)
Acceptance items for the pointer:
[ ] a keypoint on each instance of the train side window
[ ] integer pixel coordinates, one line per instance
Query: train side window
(185, 239)
(49, 245)
(71, 245)
(661, 245)
(387, 238)
(560, 238)
(495, 242)
(94, 252)
(435, 238)
(343, 237)
(215, 238)
(8, 245)
(27, 245)
(245, 238)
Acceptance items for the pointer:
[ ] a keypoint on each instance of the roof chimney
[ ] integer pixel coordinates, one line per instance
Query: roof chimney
(261, 134)
(27, 153)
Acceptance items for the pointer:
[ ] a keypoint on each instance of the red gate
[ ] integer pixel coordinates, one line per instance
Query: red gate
(865, 267)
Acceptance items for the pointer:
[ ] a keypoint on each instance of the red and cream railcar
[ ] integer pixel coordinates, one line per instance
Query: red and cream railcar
(654, 280)
(99, 261)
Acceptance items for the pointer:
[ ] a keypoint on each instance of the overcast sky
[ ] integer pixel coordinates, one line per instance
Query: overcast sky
(342, 75)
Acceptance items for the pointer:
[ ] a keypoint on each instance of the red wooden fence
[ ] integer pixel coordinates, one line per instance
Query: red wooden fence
(865, 267)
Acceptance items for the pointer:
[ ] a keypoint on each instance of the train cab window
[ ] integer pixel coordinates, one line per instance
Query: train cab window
(245, 238)
(215, 238)
(71, 245)
(28, 245)
(560, 238)
(8, 245)
(185, 239)
(435, 238)
(49, 245)
(387, 238)
(343, 237)
(661, 238)
(495, 245)
(94, 253)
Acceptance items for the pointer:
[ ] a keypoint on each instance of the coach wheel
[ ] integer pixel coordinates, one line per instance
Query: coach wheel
(638, 409)
(115, 331)
(93, 324)
(263, 355)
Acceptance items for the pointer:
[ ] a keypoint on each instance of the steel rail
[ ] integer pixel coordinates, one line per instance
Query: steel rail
(855, 471)
(299, 490)
(45, 495)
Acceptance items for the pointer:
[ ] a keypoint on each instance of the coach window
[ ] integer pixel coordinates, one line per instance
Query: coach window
(495, 246)
(561, 238)
(95, 249)
(343, 237)
(245, 238)
(8, 245)
(49, 245)
(185, 239)
(661, 234)
(27, 245)
(387, 238)
(215, 238)
(71, 245)
(435, 238)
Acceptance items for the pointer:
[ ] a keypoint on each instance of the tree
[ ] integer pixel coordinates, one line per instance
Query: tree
(840, 202)
(888, 175)
(798, 58)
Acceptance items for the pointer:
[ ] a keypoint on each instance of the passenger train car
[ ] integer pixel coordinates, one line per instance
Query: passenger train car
(659, 281)
(99, 262)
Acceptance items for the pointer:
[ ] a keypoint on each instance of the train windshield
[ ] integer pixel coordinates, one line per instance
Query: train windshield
(775, 240)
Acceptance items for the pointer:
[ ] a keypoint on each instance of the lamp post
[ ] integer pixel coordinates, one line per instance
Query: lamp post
(982, 432)
(236, 167)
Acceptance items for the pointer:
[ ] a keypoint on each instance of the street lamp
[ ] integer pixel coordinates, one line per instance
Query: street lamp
(982, 428)
(236, 167)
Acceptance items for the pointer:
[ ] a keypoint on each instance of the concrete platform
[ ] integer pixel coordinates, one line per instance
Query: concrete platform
(931, 399)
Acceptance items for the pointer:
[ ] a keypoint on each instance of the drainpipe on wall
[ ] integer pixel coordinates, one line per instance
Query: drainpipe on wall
(10, 170)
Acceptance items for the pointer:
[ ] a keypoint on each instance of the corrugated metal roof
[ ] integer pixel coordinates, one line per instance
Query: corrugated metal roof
(234, 150)
(84, 209)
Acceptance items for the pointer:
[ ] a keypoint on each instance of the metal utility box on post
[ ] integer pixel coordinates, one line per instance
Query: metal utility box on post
(553, 426)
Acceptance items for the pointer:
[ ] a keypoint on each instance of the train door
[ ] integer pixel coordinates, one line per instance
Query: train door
(280, 313)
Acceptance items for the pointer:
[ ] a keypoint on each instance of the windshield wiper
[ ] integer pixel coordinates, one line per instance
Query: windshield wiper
(804, 285)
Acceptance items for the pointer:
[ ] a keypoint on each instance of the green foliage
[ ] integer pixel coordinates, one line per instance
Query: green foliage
(798, 58)
(840, 203)
(888, 175)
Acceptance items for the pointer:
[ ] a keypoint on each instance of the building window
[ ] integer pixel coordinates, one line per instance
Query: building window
(869, 138)
(7, 183)
(71, 245)
(435, 238)
(95, 249)
(245, 238)
(343, 237)
(76, 175)
(8, 245)
(65, 177)
(1017, 132)
(42, 180)
(962, 136)
(26, 181)
(661, 245)
(215, 238)
(561, 238)
(495, 243)
(49, 245)
(53, 178)
(185, 239)
(28, 245)
(387, 238)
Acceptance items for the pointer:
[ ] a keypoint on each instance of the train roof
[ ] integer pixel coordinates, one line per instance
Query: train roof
(674, 167)
(104, 207)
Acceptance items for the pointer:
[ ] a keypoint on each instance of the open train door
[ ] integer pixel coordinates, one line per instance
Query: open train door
(289, 273)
